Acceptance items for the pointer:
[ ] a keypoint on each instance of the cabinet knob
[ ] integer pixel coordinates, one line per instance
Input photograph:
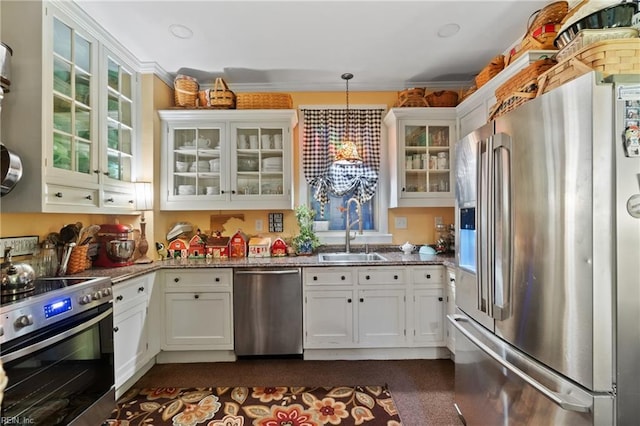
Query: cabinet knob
(89, 197)
(96, 172)
(119, 297)
(349, 300)
(131, 201)
(140, 289)
(233, 191)
(361, 299)
(217, 279)
(440, 299)
(176, 279)
(115, 329)
(343, 278)
(105, 173)
(395, 277)
(222, 192)
(403, 189)
(58, 194)
(367, 277)
(453, 280)
(196, 296)
(428, 276)
(315, 278)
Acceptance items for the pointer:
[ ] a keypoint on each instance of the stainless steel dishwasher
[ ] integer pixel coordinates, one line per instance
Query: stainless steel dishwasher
(267, 311)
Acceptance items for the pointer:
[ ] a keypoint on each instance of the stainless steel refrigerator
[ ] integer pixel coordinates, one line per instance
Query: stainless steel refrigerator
(548, 251)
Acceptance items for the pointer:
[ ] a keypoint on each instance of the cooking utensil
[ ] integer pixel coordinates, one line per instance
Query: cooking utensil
(11, 170)
(62, 269)
(69, 233)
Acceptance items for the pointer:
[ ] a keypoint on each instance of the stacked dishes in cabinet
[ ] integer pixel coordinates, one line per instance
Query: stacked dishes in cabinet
(197, 163)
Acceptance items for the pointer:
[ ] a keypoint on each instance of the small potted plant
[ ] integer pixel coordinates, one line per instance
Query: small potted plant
(306, 241)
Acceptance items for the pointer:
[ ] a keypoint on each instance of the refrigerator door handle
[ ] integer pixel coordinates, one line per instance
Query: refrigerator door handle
(500, 279)
(565, 401)
(482, 221)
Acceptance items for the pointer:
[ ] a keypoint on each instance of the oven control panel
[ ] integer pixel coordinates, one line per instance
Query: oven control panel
(48, 308)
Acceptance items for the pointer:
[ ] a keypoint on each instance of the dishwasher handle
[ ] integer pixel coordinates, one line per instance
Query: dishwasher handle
(268, 272)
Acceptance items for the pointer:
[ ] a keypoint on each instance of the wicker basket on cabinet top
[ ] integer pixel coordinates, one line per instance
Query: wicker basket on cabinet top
(491, 70)
(263, 101)
(442, 98)
(185, 90)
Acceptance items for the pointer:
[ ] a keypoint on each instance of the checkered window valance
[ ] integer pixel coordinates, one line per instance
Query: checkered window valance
(322, 133)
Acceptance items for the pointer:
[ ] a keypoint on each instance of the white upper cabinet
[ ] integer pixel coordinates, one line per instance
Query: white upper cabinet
(71, 113)
(221, 159)
(421, 142)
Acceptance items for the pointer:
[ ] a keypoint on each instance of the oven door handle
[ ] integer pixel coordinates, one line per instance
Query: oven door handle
(55, 339)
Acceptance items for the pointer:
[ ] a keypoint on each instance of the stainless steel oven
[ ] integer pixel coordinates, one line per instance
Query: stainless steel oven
(57, 352)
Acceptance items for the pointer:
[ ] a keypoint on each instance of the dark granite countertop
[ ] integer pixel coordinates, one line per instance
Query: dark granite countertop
(393, 258)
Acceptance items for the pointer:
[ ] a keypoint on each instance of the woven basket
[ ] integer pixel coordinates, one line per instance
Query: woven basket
(618, 56)
(517, 98)
(78, 259)
(539, 39)
(552, 13)
(490, 70)
(263, 101)
(443, 98)
(185, 91)
(220, 96)
(587, 37)
(523, 78)
(413, 97)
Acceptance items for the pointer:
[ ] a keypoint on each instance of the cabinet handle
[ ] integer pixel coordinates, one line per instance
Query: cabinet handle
(89, 197)
(453, 280)
(233, 191)
(395, 277)
(58, 194)
(403, 189)
(109, 200)
(96, 171)
(105, 173)
(440, 299)
(367, 277)
(131, 201)
(119, 297)
(349, 300)
(217, 279)
(315, 278)
(196, 296)
(176, 279)
(343, 278)
(222, 192)
(140, 289)
(116, 329)
(361, 299)
(428, 276)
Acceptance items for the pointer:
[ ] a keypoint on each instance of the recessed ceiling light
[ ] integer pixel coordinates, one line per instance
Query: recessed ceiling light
(448, 30)
(180, 31)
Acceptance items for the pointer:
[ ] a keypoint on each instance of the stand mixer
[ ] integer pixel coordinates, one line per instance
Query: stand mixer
(115, 246)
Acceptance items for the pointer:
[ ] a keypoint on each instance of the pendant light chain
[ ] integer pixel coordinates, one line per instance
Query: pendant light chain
(346, 77)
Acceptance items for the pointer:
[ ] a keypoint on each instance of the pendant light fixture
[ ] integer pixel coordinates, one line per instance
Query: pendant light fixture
(347, 150)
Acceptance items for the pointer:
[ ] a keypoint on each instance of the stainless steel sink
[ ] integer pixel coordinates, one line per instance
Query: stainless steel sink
(350, 257)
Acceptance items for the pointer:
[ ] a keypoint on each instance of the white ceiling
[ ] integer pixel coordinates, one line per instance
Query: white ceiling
(307, 45)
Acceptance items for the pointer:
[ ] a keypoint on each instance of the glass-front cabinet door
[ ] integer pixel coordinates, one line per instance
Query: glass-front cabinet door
(259, 158)
(421, 147)
(118, 162)
(198, 164)
(426, 158)
(74, 107)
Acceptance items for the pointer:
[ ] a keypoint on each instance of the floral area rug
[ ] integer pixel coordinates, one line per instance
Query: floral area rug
(257, 406)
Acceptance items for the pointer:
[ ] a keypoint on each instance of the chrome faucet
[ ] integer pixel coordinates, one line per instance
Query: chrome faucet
(348, 237)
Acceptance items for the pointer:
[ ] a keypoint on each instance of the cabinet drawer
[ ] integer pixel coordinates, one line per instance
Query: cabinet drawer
(428, 275)
(118, 200)
(328, 276)
(130, 292)
(208, 278)
(60, 195)
(380, 276)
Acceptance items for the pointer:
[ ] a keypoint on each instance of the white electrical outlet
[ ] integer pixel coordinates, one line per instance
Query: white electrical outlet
(258, 225)
(401, 222)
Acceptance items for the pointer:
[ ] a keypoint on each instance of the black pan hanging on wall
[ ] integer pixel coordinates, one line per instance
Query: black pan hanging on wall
(11, 170)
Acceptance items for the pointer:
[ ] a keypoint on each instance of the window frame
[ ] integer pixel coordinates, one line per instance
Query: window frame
(381, 233)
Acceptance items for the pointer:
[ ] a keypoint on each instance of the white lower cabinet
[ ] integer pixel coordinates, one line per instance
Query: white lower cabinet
(354, 307)
(133, 346)
(428, 305)
(198, 309)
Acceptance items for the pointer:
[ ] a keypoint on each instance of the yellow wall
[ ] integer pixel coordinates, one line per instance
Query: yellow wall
(157, 95)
